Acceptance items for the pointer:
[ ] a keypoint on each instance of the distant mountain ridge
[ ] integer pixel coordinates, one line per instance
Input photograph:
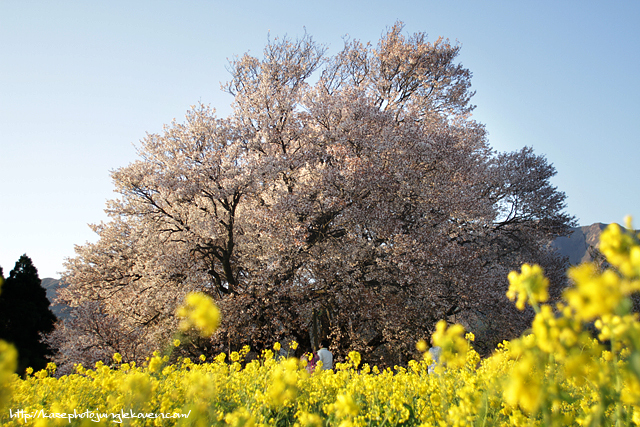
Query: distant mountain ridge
(577, 246)
(51, 286)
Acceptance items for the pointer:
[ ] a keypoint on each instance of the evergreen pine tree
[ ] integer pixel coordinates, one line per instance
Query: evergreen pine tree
(25, 315)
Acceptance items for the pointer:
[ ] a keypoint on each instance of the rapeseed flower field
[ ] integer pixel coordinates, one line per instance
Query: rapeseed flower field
(579, 364)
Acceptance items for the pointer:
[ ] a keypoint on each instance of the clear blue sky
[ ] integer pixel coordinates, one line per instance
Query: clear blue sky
(81, 82)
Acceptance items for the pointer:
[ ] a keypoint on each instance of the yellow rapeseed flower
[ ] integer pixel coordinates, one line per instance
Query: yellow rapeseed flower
(241, 417)
(355, 358)
(528, 286)
(155, 364)
(452, 342)
(594, 294)
(201, 312)
(524, 385)
(8, 364)
(305, 419)
(283, 381)
(345, 406)
(622, 249)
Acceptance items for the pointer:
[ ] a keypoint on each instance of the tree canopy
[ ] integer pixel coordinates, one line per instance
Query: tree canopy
(25, 315)
(348, 196)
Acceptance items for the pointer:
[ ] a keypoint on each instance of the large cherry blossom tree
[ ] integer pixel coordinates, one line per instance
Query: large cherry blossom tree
(349, 196)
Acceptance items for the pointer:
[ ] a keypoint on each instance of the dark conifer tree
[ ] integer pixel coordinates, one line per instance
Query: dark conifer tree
(25, 315)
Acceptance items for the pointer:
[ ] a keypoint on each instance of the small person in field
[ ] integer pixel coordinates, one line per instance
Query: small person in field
(312, 359)
(325, 356)
(435, 353)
